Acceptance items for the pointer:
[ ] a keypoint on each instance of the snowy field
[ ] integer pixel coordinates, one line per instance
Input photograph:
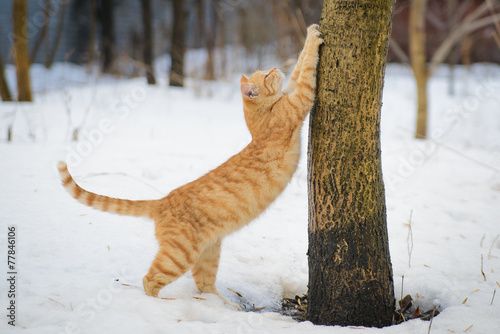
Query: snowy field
(80, 270)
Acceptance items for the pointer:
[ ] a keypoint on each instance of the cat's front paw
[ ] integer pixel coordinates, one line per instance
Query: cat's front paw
(313, 35)
(312, 28)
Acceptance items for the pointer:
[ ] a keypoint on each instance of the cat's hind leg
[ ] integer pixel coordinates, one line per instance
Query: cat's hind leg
(205, 271)
(177, 254)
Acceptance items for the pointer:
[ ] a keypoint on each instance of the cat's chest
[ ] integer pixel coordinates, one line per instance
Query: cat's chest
(284, 159)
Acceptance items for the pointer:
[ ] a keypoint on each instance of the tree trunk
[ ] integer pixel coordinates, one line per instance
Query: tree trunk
(350, 272)
(4, 85)
(148, 41)
(418, 62)
(177, 50)
(21, 56)
(57, 39)
(43, 32)
(421, 81)
(92, 33)
(210, 33)
(107, 35)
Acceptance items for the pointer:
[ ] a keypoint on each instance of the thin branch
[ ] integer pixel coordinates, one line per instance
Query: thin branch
(477, 13)
(398, 51)
(43, 32)
(435, 20)
(496, 34)
(464, 29)
(463, 8)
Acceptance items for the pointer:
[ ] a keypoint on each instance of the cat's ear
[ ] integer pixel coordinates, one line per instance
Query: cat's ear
(248, 90)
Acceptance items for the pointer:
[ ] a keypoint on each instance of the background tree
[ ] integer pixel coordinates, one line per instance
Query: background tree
(209, 23)
(4, 86)
(42, 33)
(478, 18)
(177, 49)
(107, 35)
(51, 54)
(21, 56)
(92, 33)
(148, 41)
(350, 272)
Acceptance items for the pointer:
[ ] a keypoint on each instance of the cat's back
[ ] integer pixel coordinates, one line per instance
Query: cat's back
(238, 190)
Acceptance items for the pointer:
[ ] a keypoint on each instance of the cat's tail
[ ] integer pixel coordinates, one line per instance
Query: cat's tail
(107, 204)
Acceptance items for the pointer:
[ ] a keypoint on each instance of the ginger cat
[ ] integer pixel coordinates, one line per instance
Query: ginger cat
(191, 221)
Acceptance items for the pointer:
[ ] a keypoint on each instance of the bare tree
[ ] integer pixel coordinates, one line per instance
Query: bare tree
(210, 25)
(51, 55)
(92, 32)
(21, 56)
(478, 18)
(43, 31)
(148, 41)
(107, 35)
(350, 272)
(4, 86)
(177, 50)
(418, 62)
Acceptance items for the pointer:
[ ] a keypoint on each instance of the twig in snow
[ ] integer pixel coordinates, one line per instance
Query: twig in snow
(432, 317)
(409, 239)
(482, 272)
(402, 285)
(199, 298)
(492, 298)
(236, 292)
(55, 301)
(491, 247)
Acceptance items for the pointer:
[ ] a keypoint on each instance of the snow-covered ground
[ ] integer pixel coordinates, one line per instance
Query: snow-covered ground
(80, 270)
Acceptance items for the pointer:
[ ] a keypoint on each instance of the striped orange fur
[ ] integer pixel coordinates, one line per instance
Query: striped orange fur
(192, 220)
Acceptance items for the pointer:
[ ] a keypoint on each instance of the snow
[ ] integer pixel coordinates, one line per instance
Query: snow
(80, 270)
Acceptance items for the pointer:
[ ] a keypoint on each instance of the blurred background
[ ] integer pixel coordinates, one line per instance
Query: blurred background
(127, 37)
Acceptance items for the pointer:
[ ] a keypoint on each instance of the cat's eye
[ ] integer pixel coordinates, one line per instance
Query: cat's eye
(267, 74)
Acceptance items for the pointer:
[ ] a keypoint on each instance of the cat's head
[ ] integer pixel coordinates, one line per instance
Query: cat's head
(262, 86)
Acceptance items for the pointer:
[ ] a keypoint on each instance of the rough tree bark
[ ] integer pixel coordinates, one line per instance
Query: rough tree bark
(177, 50)
(148, 41)
(350, 272)
(21, 56)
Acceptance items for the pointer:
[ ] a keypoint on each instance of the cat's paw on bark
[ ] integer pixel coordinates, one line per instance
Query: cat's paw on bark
(313, 35)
